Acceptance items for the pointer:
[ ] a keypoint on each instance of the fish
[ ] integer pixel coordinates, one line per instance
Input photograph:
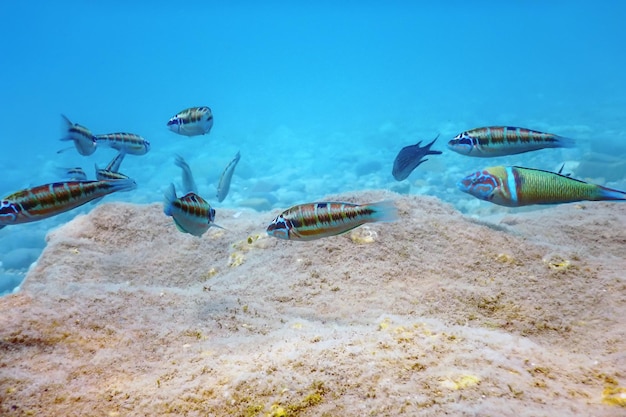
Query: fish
(189, 185)
(129, 143)
(224, 184)
(191, 213)
(487, 142)
(312, 221)
(514, 186)
(73, 174)
(111, 172)
(193, 121)
(409, 158)
(83, 139)
(43, 201)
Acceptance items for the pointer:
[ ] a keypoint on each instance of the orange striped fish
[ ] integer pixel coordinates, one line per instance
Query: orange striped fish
(48, 200)
(191, 213)
(317, 220)
(82, 137)
(486, 142)
(128, 143)
(192, 121)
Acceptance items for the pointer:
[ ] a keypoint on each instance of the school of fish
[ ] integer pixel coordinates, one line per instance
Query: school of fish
(510, 186)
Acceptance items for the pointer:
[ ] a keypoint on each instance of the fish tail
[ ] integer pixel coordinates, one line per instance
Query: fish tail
(606, 193)
(169, 198)
(564, 142)
(383, 211)
(123, 185)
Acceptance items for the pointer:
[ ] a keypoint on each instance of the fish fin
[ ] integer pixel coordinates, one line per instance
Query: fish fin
(65, 149)
(123, 185)
(170, 197)
(611, 194)
(96, 200)
(218, 226)
(565, 142)
(3, 226)
(384, 211)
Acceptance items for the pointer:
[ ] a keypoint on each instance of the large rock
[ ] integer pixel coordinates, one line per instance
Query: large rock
(436, 314)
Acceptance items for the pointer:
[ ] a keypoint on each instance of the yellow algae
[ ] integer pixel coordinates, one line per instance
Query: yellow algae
(235, 259)
(461, 382)
(505, 258)
(614, 395)
(557, 262)
(255, 241)
(276, 411)
(209, 274)
(296, 326)
(384, 324)
(363, 235)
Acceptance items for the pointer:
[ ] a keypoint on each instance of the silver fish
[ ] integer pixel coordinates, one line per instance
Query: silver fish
(189, 185)
(193, 121)
(224, 185)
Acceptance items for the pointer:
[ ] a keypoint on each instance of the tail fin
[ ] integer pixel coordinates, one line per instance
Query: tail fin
(564, 142)
(611, 194)
(169, 198)
(123, 185)
(384, 211)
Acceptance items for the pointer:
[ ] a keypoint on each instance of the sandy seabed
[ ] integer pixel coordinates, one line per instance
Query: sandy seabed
(523, 314)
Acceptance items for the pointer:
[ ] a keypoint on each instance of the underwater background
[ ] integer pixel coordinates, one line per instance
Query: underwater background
(318, 97)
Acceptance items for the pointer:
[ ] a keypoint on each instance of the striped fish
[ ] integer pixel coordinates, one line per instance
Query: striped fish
(82, 137)
(224, 185)
(513, 186)
(486, 142)
(317, 220)
(48, 200)
(129, 143)
(73, 174)
(193, 121)
(111, 172)
(191, 213)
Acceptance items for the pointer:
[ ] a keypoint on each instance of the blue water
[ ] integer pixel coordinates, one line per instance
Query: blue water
(318, 98)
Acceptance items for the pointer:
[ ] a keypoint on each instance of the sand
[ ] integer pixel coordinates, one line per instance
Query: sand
(519, 314)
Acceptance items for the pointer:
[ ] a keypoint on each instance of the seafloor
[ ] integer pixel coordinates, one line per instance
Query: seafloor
(436, 314)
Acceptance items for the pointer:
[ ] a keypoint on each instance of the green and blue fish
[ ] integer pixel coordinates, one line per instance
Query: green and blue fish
(513, 186)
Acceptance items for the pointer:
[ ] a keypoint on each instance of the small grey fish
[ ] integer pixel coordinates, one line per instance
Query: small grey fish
(189, 185)
(409, 158)
(224, 185)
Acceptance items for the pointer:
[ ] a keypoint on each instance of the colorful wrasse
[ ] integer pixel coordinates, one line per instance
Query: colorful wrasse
(516, 186)
(48, 200)
(317, 220)
(224, 185)
(189, 185)
(129, 143)
(192, 121)
(191, 213)
(73, 174)
(492, 141)
(83, 139)
(409, 158)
